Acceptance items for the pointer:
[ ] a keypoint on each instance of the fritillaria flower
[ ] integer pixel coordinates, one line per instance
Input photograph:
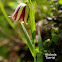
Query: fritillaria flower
(21, 13)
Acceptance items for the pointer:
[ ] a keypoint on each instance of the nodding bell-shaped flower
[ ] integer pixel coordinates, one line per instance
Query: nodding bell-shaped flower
(21, 13)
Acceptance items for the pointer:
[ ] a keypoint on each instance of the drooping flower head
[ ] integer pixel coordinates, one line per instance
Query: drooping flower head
(21, 13)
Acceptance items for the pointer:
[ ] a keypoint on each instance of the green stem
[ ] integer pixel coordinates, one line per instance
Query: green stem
(3, 11)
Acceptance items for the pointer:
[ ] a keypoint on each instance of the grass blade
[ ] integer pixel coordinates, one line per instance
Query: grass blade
(40, 55)
(33, 29)
(32, 22)
(29, 42)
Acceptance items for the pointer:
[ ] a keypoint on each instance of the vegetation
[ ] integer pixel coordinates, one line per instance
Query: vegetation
(21, 42)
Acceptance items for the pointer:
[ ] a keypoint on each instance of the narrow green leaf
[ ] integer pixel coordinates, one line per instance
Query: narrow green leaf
(33, 29)
(40, 40)
(29, 42)
(40, 55)
(32, 22)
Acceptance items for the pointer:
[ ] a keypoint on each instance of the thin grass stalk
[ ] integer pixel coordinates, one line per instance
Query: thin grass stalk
(4, 13)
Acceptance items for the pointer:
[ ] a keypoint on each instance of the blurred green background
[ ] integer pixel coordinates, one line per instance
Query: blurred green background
(48, 17)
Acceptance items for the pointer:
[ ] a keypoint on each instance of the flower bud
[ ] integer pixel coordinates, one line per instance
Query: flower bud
(21, 13)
